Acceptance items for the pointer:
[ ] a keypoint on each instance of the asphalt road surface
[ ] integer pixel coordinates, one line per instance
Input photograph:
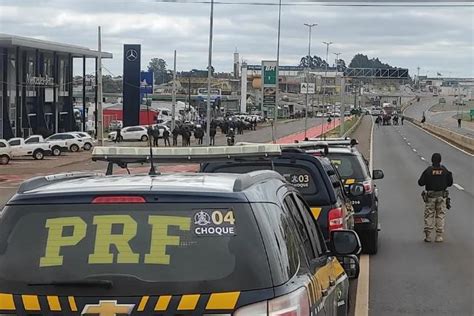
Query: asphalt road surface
(409, 276)
(440, 118)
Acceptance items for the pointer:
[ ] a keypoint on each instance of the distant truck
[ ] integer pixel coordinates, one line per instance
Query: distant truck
(36, 150)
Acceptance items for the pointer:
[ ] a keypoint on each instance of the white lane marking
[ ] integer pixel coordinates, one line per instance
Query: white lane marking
(362, 297)
(436, 136)
(362, 294)
(422, 158)
(408, 143)
(414, 149)
(457, 186)
(404, 138)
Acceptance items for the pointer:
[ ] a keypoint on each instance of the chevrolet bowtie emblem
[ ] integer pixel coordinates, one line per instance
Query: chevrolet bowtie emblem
(108, 308)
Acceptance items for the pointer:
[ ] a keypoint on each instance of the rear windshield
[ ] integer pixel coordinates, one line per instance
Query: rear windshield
(349, 166)
(300, 177)
(174, 248)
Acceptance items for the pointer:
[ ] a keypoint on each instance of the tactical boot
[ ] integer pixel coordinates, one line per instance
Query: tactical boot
(428, 237)
(439, 238)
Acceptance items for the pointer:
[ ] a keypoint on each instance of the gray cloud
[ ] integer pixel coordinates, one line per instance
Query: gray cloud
(438, 39)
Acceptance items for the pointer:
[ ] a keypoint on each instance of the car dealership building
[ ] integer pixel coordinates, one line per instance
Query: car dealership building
(36, 90)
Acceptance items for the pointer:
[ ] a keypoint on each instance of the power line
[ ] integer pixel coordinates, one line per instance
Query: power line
(460, 4)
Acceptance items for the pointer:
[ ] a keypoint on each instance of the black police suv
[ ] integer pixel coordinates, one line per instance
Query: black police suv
(314, 177)
(182, 244)
(353, 168)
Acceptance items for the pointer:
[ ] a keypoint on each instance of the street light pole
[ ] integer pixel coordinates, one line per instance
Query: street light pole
(325, 80)
(341, 107)
(310, 27)
(209, 77)
(275, 118)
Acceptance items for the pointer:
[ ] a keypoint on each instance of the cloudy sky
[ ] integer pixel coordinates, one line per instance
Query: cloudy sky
(437, 38)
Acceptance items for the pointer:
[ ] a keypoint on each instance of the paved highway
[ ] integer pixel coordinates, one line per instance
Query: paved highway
(409, 276)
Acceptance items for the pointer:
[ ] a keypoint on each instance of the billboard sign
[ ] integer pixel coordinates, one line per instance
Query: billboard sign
(269, 86)
(146, 82)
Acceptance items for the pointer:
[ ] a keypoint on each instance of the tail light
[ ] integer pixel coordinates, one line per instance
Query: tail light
(336, 219)
(118, 199)
(292, 304)
(368, 187)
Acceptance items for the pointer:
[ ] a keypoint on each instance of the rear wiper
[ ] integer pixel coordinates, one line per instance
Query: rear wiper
(77, 283)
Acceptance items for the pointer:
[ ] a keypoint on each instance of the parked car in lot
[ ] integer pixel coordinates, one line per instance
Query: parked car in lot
(88, 142)
(36, 150)
(131, 133)
(57, 145)
(115, 125)
(5, 152)
(74, 142)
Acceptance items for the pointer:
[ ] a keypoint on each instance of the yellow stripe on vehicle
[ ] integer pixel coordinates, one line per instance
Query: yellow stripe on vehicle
(72, 303)
(54, 304)
(162, 303)
(315, 211)
(350, 181)
(218, 301)
(188, 302)
(6, 302)
(142, 305)
(31, 302)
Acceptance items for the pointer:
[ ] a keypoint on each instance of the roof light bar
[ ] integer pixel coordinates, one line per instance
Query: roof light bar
(338, 141)
(187, 154)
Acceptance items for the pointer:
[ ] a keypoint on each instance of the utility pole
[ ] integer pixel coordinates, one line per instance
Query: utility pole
(418, 78)
(310, 27)
(100, 123)
(209, 77)
(173, 98)
(277, 94)
(325, 79)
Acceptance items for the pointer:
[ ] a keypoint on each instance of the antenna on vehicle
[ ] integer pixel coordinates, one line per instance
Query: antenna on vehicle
(152, 171)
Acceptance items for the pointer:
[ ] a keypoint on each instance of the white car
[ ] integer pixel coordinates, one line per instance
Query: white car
(86, 139)
(131, 133)
(5, 152)
(37, 150)
(74, 142)
(57, 146)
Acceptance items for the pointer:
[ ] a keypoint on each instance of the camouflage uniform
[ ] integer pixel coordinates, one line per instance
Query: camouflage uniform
(435, 212)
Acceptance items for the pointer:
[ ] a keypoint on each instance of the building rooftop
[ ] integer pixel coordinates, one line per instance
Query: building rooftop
(7, 40)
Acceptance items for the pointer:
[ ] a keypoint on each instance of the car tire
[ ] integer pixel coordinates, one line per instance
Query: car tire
(74, 148)
(4, 160)
(56, 151)
(38, 154)
(144, 138)
(87, 146)
(370, 242)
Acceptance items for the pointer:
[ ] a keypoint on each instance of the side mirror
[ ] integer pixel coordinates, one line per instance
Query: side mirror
(345, 242)
(377, 174)
(356, 189)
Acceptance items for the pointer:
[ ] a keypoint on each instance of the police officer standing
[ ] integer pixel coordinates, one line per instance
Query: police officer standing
(436, 179)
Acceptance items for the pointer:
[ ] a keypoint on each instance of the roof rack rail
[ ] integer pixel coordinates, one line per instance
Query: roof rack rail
(245, 181)
(38, 182)
(339, 141)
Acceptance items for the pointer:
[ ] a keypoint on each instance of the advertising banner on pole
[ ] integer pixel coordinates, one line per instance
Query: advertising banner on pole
(269, 87)
(146, 82)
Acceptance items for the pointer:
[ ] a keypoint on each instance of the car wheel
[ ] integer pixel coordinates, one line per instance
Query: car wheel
(74, 148)
(56, 151)
(4, 159)
(87, 146)
(144, 138)
(370, 242)
(38, 154)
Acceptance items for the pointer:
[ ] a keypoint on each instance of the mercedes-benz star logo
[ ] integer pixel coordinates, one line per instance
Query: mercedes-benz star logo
(131, 55)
